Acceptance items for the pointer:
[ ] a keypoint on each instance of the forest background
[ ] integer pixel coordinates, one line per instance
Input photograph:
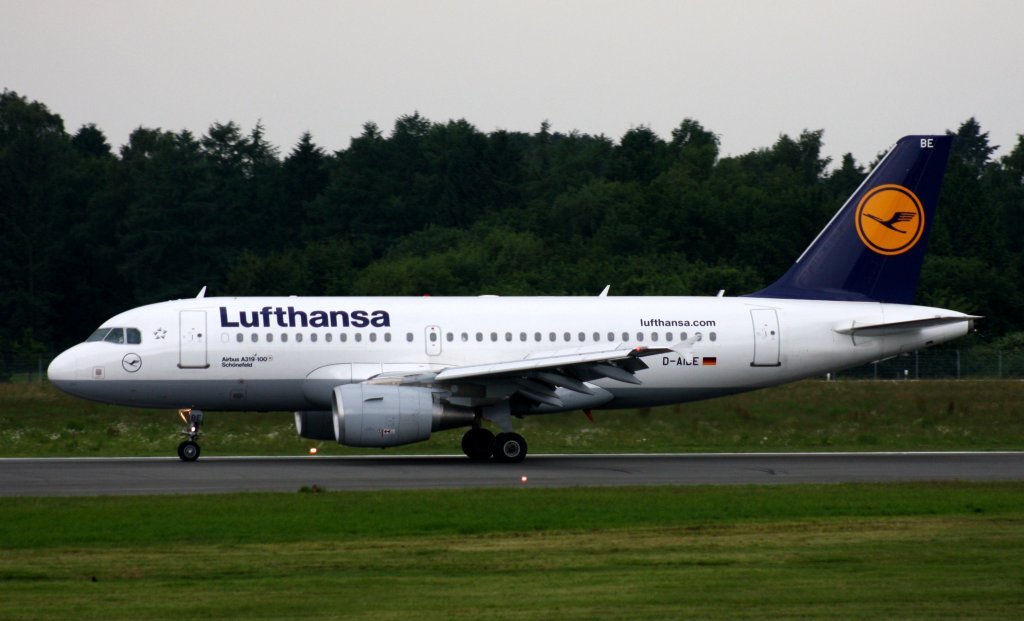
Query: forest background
(442, 208)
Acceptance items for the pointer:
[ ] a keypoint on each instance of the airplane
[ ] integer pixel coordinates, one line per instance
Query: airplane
(388, 371)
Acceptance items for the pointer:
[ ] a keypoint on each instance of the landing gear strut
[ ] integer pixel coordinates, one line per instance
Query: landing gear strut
(188, 450)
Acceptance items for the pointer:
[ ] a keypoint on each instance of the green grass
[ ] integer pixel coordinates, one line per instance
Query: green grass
(37, 420)
(906, 551)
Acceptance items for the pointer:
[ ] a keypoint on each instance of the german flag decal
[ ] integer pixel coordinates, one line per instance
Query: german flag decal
(709, 361)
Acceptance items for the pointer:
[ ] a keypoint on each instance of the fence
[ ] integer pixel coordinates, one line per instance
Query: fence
(943, 364)
(925, 364)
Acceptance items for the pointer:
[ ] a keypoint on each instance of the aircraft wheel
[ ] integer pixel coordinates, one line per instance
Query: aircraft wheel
(478, 444)
(188, 451)
(509, 448)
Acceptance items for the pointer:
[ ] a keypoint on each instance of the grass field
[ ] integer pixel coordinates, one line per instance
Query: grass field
(37, 420)
(909, 551)
(859, 551)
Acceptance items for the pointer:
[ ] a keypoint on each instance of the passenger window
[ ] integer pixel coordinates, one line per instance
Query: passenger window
(552, 337)
(583, 337)
(373, 337)
(433, 337)
(494, 337)
(358, 336)
(597, 336)
(298, 337)
(537, 336)
(465, 337)
(508, 337)
(387, 337)
(134, 336)
(682, 336)
(312, 337)
(328, 337)
(625, 337)
(522, 337)
(668, 337)
(116, 335)
(284, 337)
(640, 336)
(713, 336)
(270, 337)
(479, 337)
(239, 337)
(255, 337)
(449, 337)
(611, 337)
(408, 336)
(654, 336)
(342, 337)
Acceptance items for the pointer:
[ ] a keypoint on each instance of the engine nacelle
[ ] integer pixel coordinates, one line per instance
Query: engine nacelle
(379, 415)
(317, 425)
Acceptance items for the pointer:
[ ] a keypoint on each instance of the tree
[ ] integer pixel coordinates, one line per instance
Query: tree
(971, 146)
(35, 154)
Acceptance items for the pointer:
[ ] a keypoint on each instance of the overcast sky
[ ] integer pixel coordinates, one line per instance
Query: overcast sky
(867, 72)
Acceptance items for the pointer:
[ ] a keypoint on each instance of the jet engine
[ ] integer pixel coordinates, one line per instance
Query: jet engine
(315, 425)
(381, 415)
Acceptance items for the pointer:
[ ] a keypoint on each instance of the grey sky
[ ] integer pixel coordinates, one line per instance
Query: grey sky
(866, 72)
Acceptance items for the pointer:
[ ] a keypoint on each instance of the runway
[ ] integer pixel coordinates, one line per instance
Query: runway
(159, 475)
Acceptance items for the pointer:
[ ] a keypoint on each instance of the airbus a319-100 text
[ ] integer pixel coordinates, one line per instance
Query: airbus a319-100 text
(386, 371)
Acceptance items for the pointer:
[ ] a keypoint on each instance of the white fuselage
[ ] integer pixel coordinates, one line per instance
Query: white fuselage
(287, 353)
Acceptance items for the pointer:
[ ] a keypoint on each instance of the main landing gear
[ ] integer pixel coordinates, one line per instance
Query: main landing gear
(480, 444)
(188, 450)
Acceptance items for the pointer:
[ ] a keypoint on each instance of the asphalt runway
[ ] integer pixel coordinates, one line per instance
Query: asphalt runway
(159, 475)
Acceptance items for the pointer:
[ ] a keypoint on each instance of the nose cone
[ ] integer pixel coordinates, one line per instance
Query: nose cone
(62, 370)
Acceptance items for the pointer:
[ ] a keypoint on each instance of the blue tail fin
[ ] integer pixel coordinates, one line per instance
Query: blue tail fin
(873, 247)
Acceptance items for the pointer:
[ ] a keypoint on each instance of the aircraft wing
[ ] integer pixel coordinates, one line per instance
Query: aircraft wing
(539, 376)
(618, 364)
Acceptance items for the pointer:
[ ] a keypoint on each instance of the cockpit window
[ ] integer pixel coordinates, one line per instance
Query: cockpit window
(119, 336)
(98, 335)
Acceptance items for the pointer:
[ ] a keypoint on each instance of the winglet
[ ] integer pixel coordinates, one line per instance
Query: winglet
(873, 248)
(202, 292)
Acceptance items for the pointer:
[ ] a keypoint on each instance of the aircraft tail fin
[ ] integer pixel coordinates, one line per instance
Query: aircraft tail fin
(873, 248)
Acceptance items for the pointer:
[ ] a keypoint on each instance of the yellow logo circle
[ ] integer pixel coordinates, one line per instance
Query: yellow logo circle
(890, 219)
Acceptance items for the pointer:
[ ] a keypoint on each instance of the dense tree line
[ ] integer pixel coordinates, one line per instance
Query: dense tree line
(443, 208)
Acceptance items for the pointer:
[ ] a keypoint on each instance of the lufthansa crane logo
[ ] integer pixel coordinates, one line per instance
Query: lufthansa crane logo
(890, 219)
(131, 363)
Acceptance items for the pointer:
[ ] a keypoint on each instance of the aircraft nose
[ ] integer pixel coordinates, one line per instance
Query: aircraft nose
(61, 371)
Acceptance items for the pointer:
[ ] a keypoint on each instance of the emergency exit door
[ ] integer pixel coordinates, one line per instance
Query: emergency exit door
(433, 340)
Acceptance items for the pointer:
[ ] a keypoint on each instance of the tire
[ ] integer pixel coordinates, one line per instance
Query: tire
(478, 444)
(509, 448)
(188, 451)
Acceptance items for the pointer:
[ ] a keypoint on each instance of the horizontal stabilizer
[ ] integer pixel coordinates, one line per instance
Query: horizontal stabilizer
(897, 327)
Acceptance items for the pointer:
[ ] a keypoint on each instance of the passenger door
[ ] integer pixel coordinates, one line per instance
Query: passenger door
(766, 337)
(192, 330)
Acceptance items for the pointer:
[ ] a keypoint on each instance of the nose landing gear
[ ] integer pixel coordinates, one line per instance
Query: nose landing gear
(188, 450)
